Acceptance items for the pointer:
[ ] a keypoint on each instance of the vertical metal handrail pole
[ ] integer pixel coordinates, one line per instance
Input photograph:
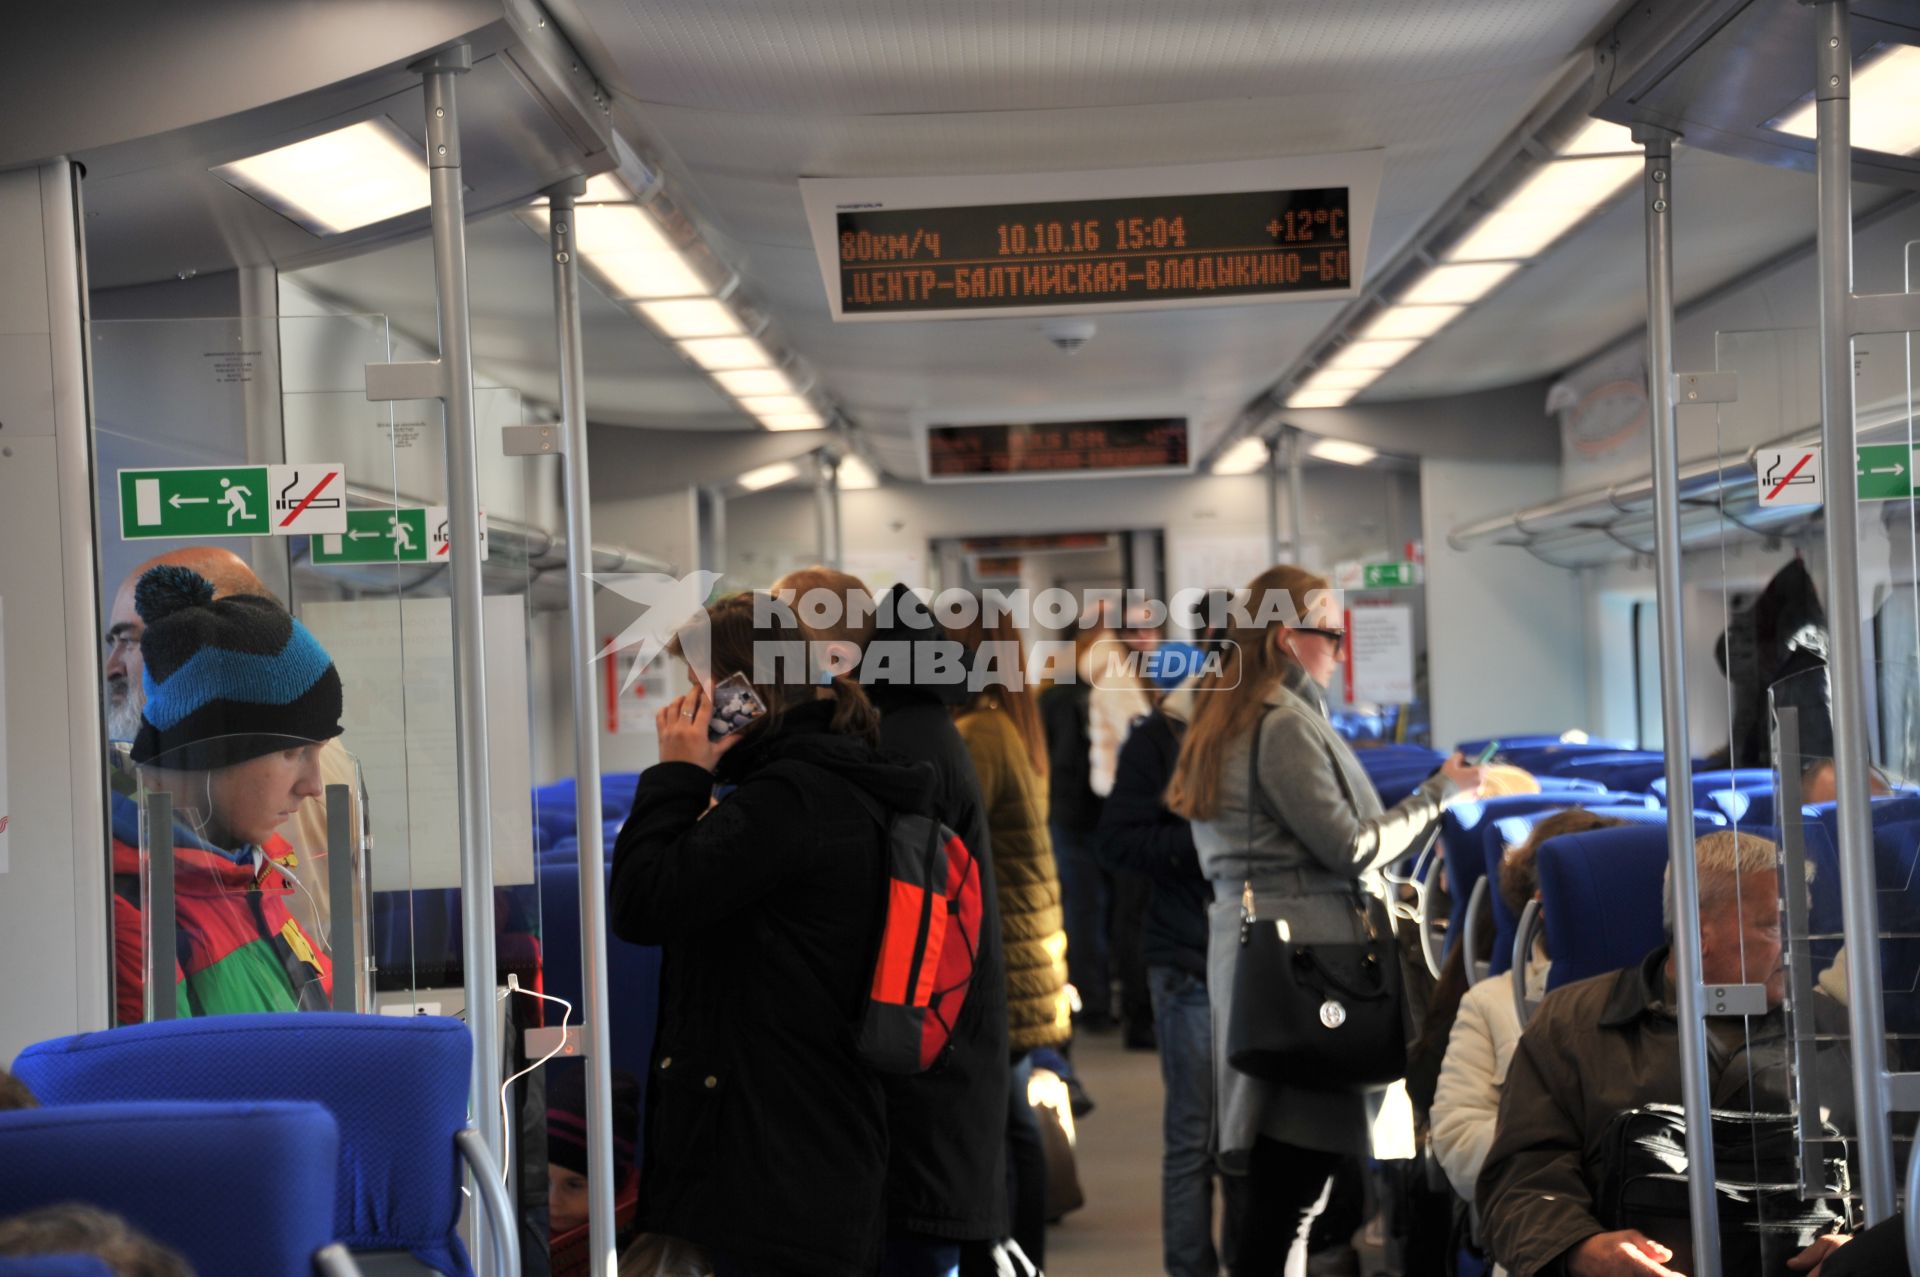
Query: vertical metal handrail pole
(586, 731)
(1695, 1083)
(826, 511)
(343, 937)
(1272, 473)
(1296, 496)
(469, 640)
(1866, 1013)
(163, 943)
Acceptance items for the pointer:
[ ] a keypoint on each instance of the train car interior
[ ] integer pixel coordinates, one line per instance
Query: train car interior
(407, 411)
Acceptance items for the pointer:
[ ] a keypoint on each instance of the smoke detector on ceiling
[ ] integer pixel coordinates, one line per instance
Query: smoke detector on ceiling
(1069, 335)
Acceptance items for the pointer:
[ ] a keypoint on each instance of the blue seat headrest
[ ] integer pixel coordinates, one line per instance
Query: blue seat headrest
(397, 1087)
(55, 1266)
(1600, 895)
(242, 1189)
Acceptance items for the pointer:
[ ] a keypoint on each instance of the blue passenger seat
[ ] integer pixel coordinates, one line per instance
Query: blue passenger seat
(633, 975)
(1600, 897)
(396, 1086)
(240, 1188)
(55, 1266)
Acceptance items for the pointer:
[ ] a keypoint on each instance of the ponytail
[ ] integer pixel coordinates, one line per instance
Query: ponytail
(853, 713)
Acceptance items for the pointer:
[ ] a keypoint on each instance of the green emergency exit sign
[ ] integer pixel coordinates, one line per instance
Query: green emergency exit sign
(378, 536)
(1386, 576)
(1885, 472)
(205, 501)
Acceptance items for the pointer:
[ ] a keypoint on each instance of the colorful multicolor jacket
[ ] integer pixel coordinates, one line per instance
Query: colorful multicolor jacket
(238, 947)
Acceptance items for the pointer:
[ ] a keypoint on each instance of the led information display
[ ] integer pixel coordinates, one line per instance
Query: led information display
(1095, 241)
(1056, 448)
(1170, 247)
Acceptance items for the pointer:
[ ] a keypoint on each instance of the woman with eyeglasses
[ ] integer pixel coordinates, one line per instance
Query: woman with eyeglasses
(1298, 823)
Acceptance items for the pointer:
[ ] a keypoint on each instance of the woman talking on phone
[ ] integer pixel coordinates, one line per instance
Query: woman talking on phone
(1291, 833)
(766, 1136)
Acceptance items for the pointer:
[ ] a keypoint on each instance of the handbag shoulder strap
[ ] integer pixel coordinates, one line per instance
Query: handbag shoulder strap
(1255, 794)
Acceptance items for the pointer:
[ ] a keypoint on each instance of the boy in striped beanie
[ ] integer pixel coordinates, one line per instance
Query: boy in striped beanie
(239, 699)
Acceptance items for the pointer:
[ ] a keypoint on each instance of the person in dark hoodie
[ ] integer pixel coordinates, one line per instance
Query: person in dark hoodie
(1138, 834)
(766, 1133)
(1777, 649)
(946, 1177)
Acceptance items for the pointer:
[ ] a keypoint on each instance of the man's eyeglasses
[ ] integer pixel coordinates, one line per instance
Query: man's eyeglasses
(1336, 637)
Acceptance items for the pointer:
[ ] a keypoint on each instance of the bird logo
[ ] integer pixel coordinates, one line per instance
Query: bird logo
(671, 606)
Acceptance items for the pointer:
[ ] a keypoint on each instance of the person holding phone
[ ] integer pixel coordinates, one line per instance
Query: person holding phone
(1297, 824)
(766, 1134)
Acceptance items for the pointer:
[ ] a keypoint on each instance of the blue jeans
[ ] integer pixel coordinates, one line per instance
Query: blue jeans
(911, 1255)
(1184, 1025)
(1086, 891)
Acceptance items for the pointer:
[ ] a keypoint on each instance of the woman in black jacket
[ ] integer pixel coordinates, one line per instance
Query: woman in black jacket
(766, 1133)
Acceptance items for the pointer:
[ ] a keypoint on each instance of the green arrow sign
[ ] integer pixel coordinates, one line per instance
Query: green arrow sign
(1381, 576)
(1885, 472)
(210, 501)
(377, 536)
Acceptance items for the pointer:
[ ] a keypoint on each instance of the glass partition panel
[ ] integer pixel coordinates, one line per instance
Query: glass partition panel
(198, 467)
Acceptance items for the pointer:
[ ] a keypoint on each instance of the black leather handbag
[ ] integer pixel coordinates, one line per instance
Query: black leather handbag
(1324, 1016)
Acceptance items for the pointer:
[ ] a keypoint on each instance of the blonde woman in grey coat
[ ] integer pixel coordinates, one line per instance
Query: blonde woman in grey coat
(1314, 827)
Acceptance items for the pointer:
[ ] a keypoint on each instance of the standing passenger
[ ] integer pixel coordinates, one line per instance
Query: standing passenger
(1002, 729)
(239, 699)
(946, 1175)
(1073, 813)
(1138, 834)
(766, 1132)
(1313, 827)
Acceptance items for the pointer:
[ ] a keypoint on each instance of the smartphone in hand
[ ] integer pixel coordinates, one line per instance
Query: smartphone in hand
(735, 704)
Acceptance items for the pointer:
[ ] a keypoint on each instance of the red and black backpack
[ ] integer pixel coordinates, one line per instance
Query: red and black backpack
(929, 942)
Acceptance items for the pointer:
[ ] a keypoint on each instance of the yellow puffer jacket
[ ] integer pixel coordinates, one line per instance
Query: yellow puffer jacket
(1032, 927)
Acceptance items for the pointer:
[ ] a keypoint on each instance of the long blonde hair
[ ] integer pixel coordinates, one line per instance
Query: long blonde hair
(1231, 701)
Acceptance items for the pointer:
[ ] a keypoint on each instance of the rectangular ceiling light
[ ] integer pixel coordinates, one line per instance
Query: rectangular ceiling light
(1342, 379)
(1886, 103)
(693, 317)
(1545, 207)
(756, 381)
(768, 476)
(1372, 354)
(1320, 398)
(727, 354)
(1602, 137)
(775, 405)
(856, 474)
(1347, 454)
(1417, 322)
(1244, 457)
(1460, 285)
(340, 181)
(624, 246)
(808, 420)
(606, 189)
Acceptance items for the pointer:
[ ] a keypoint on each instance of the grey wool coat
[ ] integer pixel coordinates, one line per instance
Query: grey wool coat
(1317, 826)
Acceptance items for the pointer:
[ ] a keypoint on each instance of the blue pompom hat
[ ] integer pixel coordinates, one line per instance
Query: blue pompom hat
(227, 680)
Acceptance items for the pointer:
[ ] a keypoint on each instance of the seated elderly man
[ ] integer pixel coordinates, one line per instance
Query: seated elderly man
(1611, 1043)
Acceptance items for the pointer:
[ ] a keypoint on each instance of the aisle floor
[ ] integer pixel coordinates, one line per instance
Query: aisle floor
(1117, 1233)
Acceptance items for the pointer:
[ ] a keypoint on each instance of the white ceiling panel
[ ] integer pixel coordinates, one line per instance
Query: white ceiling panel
(633, 378)
(878, 57)
(1590, 290)
(741, 99)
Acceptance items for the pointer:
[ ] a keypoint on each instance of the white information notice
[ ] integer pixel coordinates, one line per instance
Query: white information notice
(396, 670)
(5, 810)
(1381, 639)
